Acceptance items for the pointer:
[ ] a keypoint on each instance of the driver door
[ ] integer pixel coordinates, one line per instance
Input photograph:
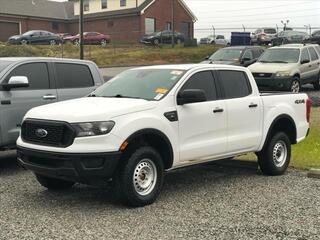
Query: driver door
(202, 125)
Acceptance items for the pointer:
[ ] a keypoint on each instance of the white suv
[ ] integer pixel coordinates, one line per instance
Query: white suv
(288, 67)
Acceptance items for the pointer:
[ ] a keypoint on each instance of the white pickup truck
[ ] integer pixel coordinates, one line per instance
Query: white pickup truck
(150, 120)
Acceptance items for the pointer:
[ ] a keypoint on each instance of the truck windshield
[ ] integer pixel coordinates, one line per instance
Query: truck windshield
(285, 55)
(148, 84)
(4, 64)
(226, 55)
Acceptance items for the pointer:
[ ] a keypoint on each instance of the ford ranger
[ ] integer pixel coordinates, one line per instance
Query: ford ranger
(150, 120)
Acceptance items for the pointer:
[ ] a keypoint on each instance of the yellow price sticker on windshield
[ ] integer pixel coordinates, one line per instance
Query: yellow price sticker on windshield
(161, 90)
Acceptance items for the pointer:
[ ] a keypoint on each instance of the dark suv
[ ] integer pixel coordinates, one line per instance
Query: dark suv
(36, 37)
(315, 37)
(238, 55)
(162, 37)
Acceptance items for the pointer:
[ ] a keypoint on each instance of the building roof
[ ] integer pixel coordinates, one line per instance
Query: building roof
(38, 8)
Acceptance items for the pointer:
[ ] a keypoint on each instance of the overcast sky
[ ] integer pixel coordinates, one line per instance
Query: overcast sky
(252, 14)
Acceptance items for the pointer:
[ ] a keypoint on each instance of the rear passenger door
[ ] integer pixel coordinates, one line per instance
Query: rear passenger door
(17, 101)
(244, 111)
(73, 80)
(315, 63)
(305, 69)
(202, 125)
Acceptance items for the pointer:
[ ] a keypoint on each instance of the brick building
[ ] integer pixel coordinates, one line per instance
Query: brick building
(121, 19)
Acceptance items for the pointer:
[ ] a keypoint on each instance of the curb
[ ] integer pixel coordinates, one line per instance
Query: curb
(314, 173)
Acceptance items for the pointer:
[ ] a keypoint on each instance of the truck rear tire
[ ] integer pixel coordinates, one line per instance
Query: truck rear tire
(141, 178)
(53, 183)
(274, 159)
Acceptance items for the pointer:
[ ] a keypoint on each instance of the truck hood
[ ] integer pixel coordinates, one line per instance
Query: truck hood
(90, 109)
(222, 62)
(271, 67)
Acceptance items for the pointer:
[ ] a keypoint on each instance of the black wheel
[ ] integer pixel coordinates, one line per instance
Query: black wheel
(179, 41)
(316, 85)
(213, 42)
(141, 178)
(24, 42)
(103, 42)
(53, 183)
(52, 42)
(156, 42)
(275, 157)
(295, 85)
(76, 42)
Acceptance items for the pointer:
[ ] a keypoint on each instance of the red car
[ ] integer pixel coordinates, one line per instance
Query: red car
(89, 38)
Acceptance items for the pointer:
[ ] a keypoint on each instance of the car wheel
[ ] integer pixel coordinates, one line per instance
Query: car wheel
(316, 85)
(274, 159)
(52, 42)
(24, 42)
(156, 42)
(295, 85)
(103, 43)
(76, 42)
(179, 41)
(141, 178)
(53, 183)
(213, 42)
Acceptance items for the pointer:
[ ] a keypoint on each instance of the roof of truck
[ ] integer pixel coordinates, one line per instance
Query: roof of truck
(22, 59)
(187, 67)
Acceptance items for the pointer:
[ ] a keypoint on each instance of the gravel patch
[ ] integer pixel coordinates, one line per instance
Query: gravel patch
(221, 200)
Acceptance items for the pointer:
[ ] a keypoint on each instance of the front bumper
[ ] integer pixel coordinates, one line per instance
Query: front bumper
(274, 83)
(91, 168)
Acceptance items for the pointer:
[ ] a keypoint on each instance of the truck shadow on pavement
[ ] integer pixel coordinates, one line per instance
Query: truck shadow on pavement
(188, 182)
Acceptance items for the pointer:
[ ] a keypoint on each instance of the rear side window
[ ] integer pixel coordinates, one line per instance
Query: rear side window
(234, 83)
(318, 50)
(73, 75)
(204, 81)
(305, 54)
(37, 74)
(313, 54)
(270, 31)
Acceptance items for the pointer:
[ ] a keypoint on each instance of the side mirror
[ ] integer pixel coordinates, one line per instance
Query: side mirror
(207, 57)
(191, 96)
(16, 82)
(304, 61)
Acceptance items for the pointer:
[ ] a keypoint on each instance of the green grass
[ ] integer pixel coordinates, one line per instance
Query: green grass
(115, 54)
(306, 154)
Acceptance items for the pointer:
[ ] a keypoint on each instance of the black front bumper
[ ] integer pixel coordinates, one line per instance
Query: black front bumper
(274, 83)
(88, 168)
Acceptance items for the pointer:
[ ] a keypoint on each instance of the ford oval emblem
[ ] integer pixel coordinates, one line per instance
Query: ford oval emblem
(41, 133)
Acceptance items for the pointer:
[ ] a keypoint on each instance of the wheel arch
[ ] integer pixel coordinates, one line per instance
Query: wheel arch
(282, 123)
(154, 138)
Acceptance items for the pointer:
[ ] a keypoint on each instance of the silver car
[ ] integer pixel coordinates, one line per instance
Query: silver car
(29, 82)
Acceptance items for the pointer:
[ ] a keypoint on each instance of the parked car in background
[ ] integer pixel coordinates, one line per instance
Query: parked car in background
(315, 37)
(239, 55)
(154, 119)
(29, 82)
(218, 39)
(288, 67)
(89, 38)
(36, 37)
(263, 36)
(286, 37)
(163, 37)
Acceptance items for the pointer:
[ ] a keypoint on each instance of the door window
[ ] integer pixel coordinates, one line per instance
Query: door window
(234, 83)
(313, 54)
(203, 81)
(305, 55)
(37, 74)
(73, 76)
(248, 55)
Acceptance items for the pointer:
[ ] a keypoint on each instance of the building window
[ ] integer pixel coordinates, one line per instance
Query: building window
(150, 25)
(168, 26)
(123, 3)
(55, 26)
(104, 4)
(86, 5)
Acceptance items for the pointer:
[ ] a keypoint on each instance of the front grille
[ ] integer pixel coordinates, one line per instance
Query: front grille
(262, 75)
(50, 133)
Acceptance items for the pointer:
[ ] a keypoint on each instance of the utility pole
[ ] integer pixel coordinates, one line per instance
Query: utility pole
(172, 23)
(244, 28)
(310, 30)
(277, 28)
(285, 23)
(214, 32)
(81, 29)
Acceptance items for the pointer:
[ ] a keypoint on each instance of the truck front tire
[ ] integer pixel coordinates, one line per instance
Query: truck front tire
(274, 159)
(140, 179)
(53, 183)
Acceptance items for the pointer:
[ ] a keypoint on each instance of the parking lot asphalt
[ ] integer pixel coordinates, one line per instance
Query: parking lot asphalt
(221, 200)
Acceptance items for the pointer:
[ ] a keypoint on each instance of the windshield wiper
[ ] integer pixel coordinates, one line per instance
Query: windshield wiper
(92, 95)
(279, 62)
(122, 96)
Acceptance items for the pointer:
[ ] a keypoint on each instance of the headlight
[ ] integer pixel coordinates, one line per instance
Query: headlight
(283, 74)
(92, 128)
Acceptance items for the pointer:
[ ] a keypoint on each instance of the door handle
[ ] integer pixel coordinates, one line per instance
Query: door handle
(253, 105)
(49, 97)
(218, 110)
